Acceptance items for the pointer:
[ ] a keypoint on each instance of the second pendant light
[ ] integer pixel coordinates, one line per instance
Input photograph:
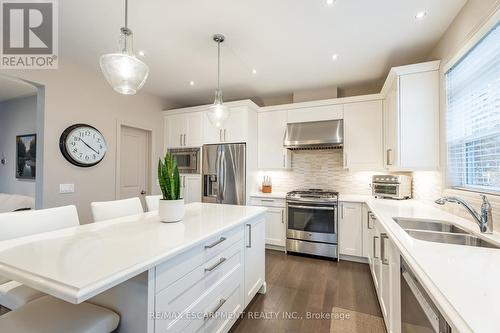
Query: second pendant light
(218, 113)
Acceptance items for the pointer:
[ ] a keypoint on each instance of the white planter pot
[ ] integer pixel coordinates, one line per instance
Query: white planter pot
(171, 210)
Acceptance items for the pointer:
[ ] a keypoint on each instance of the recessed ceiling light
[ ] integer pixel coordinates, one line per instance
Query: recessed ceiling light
(141, 53)
(191, 83)
(421, 14)
(330, 2)
(335, 56)
(254, 71)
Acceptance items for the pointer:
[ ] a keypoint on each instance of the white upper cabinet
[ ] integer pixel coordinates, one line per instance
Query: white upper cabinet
(411, 118)
(234, 130)
(272, 127)
(316, 113)
(363, 135)
(184, 130)
(194, 129)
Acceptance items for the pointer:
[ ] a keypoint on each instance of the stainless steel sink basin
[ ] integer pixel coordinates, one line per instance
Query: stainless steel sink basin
(450, 238)
(441, 232)
(429, 225)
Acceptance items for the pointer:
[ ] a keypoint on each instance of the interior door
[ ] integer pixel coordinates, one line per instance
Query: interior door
(134, 163)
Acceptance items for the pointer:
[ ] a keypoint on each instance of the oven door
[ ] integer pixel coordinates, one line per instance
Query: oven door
(312, 222)
(386, 190)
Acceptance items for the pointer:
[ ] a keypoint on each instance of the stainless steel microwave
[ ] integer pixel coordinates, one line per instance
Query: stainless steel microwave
(188, 159)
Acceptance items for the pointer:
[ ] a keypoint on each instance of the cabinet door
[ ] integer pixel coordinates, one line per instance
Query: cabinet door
(194, 129)
(236, 127)
(395, 284)
(255, 233)
(175, 128)
(367, 226)
(363, 135)
(191, 188)
(376, 256)
(211, 134)
(391, 127)
(350, 232)
(419, 121)
(275, 226)
(316, 113)
(385, 276)
(272, 127)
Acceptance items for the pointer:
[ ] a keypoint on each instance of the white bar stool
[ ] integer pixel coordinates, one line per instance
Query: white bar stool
(13, 294)
(107, 210)
(153, 202)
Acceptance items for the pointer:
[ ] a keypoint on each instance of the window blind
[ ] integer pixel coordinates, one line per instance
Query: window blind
(473, 117)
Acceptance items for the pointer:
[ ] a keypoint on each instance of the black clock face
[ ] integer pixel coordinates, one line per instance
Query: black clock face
(82, 145)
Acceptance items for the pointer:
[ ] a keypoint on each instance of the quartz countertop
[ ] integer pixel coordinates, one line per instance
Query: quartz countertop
(75, 264)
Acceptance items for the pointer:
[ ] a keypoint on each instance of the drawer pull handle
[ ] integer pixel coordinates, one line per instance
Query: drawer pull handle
(214, 266)
(211, 313)
(267, 200)
(216, 243)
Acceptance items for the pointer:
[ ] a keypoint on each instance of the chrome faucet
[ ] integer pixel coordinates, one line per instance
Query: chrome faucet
(484, 220)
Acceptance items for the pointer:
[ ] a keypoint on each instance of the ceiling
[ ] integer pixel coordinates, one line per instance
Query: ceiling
(13, 88)
(290, 43)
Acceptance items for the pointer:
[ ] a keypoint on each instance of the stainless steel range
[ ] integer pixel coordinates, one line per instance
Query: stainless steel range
(312, 217)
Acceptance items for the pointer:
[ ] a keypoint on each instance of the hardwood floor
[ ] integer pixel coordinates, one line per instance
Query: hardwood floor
(299, 285)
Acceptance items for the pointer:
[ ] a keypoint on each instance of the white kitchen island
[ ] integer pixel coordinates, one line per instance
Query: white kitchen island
(197, 275)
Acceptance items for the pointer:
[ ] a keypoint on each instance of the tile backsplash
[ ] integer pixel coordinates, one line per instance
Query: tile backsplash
(320, 169)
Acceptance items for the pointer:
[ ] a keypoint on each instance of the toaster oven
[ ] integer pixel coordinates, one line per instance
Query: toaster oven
(391, 186)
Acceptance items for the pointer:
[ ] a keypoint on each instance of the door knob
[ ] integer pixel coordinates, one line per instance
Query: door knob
(143, 192)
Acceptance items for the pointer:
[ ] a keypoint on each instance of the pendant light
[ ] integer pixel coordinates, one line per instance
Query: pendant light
(218, 112)
(123, 70)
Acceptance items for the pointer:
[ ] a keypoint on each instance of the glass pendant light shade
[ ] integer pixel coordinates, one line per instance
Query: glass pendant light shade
(218, 113)
(123, 70)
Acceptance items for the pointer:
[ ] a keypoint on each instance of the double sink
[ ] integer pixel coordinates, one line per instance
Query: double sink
(441, 232)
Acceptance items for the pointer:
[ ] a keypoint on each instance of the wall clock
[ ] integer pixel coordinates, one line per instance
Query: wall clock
(82, 145)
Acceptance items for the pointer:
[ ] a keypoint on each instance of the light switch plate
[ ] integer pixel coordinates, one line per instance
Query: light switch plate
(66, 188)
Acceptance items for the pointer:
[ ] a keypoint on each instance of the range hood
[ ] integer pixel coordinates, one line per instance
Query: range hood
(314, 135)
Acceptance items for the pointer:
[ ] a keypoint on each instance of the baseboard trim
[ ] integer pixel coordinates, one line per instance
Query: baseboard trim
(361, 260)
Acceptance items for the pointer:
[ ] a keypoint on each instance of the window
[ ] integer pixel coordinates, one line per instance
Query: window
(473, 117)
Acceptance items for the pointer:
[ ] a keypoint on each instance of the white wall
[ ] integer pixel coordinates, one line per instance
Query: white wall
(74, 94)
(17, 117)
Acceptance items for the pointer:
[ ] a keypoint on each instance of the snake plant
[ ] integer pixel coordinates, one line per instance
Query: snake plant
(168, 178)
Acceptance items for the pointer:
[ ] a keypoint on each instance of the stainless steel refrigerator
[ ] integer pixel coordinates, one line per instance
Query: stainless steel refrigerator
(224, 173)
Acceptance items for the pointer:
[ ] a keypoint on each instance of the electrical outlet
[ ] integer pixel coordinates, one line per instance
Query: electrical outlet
(66, 188)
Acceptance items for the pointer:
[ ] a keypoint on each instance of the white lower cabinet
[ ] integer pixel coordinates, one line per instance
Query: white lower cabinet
(350, 229)
(206, 288)
(255, 270)
(275, 227)
(385, 268)
(191, 188)
(275, 221)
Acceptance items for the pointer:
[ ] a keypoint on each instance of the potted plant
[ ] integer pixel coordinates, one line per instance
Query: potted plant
(171, 208)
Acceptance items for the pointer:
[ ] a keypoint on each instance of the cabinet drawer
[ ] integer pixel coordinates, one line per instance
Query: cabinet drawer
(177, 267)
(223, 319)
(267, 202)
(187, 312)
